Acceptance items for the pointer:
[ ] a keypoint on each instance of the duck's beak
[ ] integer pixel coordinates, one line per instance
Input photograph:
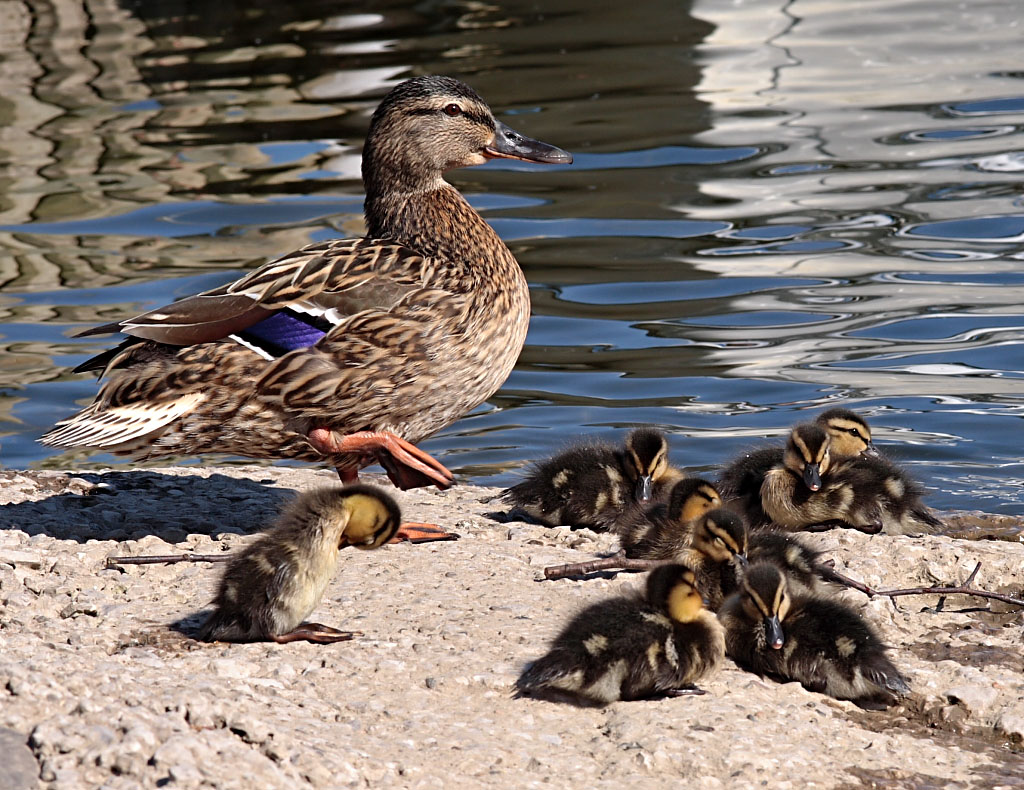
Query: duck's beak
(743, 561)
(644, 487)
(509, 144)
(812, 478)
(871, 450)
(773, 630)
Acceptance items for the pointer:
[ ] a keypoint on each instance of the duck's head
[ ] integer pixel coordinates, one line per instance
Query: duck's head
(363, 516)
(691, 498)
(848, 432)
(673, 589)
(427, 126)
(647, 456)
(766, 601)
(721, 535)
(808, 454)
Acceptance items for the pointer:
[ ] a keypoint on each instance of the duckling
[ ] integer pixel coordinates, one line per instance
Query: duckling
(626, 649)
(802, 565)
(662, 530)
(740, 482)
(820, 642)
(869, 493)
(593, 485)
(272, 585)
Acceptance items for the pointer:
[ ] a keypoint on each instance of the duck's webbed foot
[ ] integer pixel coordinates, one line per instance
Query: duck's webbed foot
(406, 465)
(416, 532)
(315, 632)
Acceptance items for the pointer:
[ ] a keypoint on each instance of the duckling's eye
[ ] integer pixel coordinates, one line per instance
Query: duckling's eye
(452, 110)
(855, 432)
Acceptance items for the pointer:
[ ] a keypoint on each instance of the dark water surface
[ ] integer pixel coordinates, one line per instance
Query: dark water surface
(775, 206)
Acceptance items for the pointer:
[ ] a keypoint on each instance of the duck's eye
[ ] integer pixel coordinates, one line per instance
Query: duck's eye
(452, 110)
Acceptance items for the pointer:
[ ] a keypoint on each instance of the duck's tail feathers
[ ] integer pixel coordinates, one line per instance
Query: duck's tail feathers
(100, 426)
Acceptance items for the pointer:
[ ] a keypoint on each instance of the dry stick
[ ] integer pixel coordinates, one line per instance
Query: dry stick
(617, 562)
(153, 559)
(963, 589)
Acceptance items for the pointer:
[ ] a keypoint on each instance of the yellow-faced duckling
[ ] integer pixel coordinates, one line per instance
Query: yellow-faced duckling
(269, 589)
(658, 532)
(626, 648)
(346, 351)
(593, 485)
(820, 642)
(740, 482)
(812, 489)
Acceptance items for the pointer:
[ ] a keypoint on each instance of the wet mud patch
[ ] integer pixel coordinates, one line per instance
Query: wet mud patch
(975, 525)
(940, 647)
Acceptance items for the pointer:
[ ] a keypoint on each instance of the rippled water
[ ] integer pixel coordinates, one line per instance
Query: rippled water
(775, 206)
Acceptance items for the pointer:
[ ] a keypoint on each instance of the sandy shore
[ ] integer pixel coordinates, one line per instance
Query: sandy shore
(101, 686)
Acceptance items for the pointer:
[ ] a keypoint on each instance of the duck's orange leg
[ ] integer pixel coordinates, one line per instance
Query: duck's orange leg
(406, 465)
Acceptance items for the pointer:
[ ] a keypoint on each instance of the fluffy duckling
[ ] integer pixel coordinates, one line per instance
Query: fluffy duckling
(626, 649)
(271, 586)
(660, 531)
(822, 643)
(802, 565)
(811, 488)
(740, 482)
(592, 485)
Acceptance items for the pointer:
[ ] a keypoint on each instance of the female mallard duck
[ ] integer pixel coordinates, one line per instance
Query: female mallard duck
(626, 649)
(820, 642)
(740, 482)
(347, 351)
(271, 586)
(593, 485)
(811, 489)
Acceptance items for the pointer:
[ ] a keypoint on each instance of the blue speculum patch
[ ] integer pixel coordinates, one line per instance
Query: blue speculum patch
(285, 331)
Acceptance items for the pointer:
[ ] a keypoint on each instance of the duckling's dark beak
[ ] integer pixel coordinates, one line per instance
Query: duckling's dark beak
(773, 630)
(509, 144)
(743, 561)
(812, 478)
(644, 487)
(870, 450)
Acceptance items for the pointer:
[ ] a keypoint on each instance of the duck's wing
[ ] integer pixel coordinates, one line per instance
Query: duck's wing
(319, 284)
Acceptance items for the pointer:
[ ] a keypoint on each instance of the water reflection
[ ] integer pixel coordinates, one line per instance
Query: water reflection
(768, 213)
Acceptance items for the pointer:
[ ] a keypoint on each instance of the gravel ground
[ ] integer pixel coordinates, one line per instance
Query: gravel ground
(102, 686)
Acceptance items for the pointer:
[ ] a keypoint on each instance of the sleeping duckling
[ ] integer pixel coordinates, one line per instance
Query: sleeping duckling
(740, 482)
(820, 642)
(592, 485)
(812, 489)
(802, 565)
(625, 648)
(275, 583)
(659, 531)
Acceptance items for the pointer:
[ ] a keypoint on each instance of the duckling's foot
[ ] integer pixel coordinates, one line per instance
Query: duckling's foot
(406, 465)
(685, 691)
(415, 532)
(315, 632)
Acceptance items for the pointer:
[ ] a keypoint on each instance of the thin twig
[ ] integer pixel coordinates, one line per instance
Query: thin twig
(963, 589)
(170, 559)
(827, 571)
(617, 562)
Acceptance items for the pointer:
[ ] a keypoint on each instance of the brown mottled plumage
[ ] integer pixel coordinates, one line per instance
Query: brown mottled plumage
(630, 648)
(418, 322)
(820, 642)
(272, 585)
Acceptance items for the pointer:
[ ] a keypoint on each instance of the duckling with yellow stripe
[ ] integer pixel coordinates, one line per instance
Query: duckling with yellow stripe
(820, 642)
(629, 648)
(269, 589)
(594, 485)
